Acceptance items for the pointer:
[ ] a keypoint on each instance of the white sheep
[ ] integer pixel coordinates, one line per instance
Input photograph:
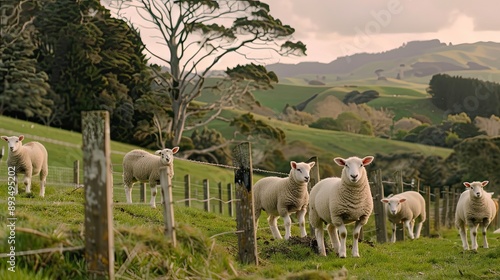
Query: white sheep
(406, 207)
(280, 197)
(341, 201)
(475, 207)
(29, 159)
(142, 166)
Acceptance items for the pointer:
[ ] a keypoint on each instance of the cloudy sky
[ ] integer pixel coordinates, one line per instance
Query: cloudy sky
(336, 28)
(333, 28)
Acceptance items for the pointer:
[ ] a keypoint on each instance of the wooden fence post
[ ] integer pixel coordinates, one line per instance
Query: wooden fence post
(451, 210)
(427, 224)
(98, 182)
(187, 190)
(142, 191)
(444, 213)
(220, 198)
(245, 213)
(206, 195)
(398, 178)
(168, 204)
(314, 174)
(76, 173)
(230, 204)
(437, 198)
(378, 206)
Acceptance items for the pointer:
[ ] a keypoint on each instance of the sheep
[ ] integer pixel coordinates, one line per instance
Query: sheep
(142, 166)
(475, 207)
(280, 197)
(30, 159)
(406, 207)
(341, 201)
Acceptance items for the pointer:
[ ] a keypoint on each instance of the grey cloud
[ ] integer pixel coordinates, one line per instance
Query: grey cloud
(384, 16)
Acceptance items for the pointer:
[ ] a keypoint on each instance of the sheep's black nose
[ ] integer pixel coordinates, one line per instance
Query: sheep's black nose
(307, 179)
(354, 176)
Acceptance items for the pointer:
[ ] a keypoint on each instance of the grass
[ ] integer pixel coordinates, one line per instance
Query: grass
(208, 250)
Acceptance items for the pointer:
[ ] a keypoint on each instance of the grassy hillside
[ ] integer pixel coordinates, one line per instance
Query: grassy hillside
(481, 53)
(207, 248)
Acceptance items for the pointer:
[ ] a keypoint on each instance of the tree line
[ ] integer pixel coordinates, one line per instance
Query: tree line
(59, 58)
(455, 94)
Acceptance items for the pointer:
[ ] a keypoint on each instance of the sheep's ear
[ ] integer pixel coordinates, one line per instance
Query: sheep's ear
(367, 160)
(293, 164)
(402, 200)
(158, 152)
(21, 137)
(467, 184)
(175, 150)
(311, 164)
(484, 183)
(340, 161)
(5, 138)
(385, 200)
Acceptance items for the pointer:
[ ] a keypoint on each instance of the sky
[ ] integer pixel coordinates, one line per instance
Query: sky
(332, 28)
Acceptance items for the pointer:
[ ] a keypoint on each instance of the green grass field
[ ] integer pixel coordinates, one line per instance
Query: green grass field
(207, 247)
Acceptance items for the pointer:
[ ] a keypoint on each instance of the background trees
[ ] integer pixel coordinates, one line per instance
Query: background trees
(196, 35)
(455, 94)
(94, 62)
(24, 88)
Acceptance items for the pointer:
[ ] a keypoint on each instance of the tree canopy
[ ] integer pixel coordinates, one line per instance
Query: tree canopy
(195, 35)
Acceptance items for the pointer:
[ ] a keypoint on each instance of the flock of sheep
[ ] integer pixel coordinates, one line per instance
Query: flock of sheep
(334, 202)
(339, 201)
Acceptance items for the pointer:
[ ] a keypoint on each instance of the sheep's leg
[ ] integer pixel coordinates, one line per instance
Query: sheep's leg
(463, 236)
(393, 237)
(485, 241)
(473, 236)
(409, 225)
(334, 237)
(419, 229)
(355, 241)
(343, 237)
(320, 238)
(153, 195)
(128, 192)
(288, 226)
(16, 184)
(42, 187)
(273, 225)
(43, 181)
(301, 215)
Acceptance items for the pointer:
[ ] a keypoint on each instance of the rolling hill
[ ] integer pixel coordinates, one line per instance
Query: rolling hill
(415, 61)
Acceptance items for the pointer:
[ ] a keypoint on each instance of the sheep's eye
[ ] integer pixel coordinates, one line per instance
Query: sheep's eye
(361, 165)
(298, 169)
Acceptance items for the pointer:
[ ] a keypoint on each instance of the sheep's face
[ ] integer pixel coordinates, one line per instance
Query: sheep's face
(354, 167)
(476, 188)
(393, 204)
(300, 172)
(13, 142)
(167, 155)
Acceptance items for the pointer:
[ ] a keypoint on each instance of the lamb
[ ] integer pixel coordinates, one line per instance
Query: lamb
(142, 166)
(341, 201)
(280, 197)
(406, 207)
(29, 159)
(475, 207)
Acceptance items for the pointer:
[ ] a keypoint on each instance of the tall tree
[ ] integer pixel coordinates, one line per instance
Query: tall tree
(196, 35)
(95, 62)
(23, 87)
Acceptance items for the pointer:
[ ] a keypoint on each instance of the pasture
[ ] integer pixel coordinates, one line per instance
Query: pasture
(208, 247)
(208, 250)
